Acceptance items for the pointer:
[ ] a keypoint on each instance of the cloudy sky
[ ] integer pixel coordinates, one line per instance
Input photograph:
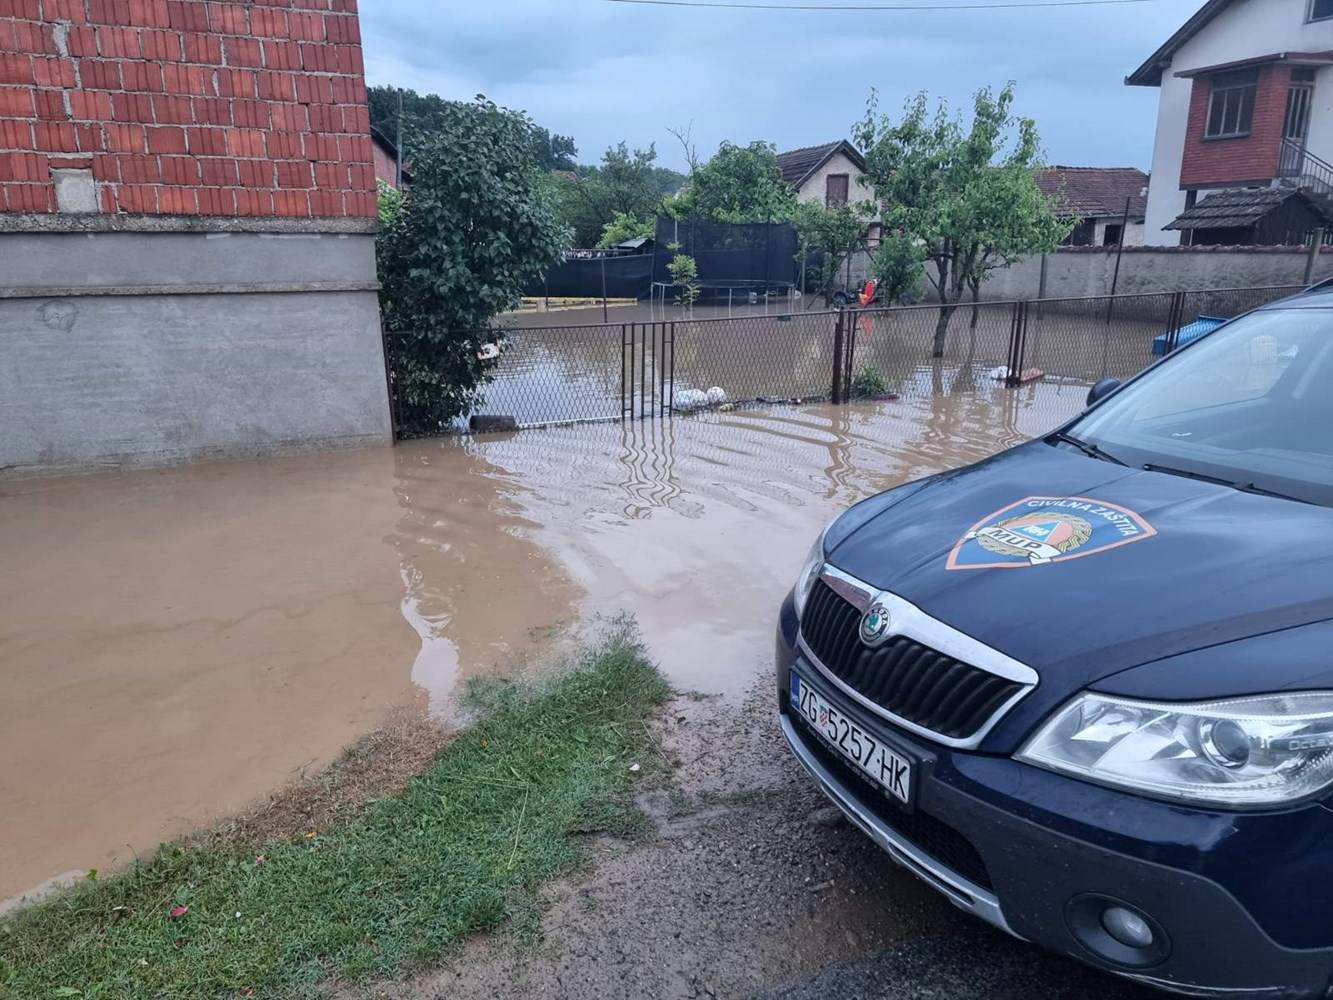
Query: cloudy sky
(603, 71)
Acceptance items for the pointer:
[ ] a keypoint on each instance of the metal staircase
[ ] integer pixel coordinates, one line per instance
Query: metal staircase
(1299, 168)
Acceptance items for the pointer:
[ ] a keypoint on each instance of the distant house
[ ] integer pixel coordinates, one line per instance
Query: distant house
(830, 174)
(1099, 197)
(1246, 104)
(386, 159)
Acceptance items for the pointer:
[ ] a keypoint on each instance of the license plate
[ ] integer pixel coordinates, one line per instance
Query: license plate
(886, 768)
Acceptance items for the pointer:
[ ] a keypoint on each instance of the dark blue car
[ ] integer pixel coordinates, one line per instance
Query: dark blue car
(1085, 688)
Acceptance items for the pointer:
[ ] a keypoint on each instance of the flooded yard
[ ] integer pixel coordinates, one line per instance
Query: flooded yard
(176, 644)
(568, 365)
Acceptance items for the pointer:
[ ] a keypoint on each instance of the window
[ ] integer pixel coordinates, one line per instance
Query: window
(1320, 9)
(1083, 235)
(1111, 238)
(835, 189)
(1231, 108)
(1249, 403)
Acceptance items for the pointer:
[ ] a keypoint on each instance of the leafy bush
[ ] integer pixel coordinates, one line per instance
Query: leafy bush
(868, 382)
(469, 234)
(390, 202)
(625, 227)
(684, 273)
(897, 265)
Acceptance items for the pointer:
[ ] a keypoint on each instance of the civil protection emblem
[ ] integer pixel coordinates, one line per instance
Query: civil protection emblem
(1038, 531)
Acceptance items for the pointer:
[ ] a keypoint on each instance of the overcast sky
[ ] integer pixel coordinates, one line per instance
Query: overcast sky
(603, 71)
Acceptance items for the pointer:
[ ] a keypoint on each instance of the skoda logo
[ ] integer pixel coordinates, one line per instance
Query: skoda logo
(875, 625)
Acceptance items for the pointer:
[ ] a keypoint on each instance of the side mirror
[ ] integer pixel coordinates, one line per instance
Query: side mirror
(1102, 389)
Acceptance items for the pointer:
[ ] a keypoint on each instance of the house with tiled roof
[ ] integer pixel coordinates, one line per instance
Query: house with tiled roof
(1109, 202)
(830, 173)
(1246, 103)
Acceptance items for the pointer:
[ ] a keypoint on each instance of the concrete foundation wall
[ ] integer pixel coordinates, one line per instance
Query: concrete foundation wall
(128, 348)
(1091, 271)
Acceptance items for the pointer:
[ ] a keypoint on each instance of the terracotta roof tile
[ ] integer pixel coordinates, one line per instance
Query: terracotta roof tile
(1096, 192)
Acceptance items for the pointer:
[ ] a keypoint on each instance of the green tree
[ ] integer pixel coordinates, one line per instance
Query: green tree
(896, 267)
(425, 113)
(626, 182)
(967, 196)
(828, 235)
(625, 227)
(468, 235)
(739, 184)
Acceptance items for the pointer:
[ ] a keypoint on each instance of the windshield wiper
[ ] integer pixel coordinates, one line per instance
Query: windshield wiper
(1089, 449)
(1239, 487)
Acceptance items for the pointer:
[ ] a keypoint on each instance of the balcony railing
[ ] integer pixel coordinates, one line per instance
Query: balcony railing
(1298, 167)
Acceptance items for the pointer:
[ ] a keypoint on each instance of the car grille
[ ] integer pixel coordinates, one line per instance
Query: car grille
(903, 677)
(931, 836)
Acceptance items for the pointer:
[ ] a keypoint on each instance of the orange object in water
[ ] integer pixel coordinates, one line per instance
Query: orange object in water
(868, 293)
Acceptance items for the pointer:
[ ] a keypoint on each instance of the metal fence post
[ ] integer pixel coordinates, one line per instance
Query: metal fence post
(838, 334)
(671, 373)
(643, 371)
(1022, 342)
(1175, 317)
(1316, 244)
(1011, 362)
(390, 383)
(849, 335)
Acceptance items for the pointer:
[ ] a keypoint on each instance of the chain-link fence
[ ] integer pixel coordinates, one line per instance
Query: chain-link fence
(569, 374)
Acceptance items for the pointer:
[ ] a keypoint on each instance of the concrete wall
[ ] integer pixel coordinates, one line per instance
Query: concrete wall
(1080, 271)
(1246, 29)
(129, 348)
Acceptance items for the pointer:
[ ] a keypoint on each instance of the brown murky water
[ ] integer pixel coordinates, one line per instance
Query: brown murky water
(176, 643)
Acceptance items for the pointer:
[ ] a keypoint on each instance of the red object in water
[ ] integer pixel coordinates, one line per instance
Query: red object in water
(868, 293)
(179, 911)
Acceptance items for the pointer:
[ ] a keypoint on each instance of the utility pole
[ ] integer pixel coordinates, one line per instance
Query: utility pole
(398, 167)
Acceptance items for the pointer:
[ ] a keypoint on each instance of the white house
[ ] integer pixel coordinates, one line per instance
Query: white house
(1246, 104)
(830, 173)
(1109, 202)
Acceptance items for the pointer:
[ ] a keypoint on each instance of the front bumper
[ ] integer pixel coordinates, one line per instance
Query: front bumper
(980, 841)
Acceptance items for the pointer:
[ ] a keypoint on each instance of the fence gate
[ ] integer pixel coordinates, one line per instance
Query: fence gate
(647, 370)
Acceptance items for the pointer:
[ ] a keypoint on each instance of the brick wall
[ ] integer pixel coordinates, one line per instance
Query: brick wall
(187, 107)
(1210, 162)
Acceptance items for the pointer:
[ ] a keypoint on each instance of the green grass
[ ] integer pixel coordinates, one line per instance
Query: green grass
(464, 848)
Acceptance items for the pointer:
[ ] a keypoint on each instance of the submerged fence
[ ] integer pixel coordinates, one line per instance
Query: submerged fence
(639, 370)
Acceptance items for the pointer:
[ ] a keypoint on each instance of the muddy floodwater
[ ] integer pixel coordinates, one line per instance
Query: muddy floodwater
(175, 644)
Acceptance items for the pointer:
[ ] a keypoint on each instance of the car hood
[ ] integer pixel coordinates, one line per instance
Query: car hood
(1170, 564)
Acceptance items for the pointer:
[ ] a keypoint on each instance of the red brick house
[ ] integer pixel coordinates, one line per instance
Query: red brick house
(176, 175)
(1246, 103)
(186, 107)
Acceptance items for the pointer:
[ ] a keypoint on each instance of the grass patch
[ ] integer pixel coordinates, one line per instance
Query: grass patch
(463, 848)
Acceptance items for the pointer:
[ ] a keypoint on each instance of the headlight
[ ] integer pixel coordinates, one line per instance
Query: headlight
(1240, 752)
(814, 562)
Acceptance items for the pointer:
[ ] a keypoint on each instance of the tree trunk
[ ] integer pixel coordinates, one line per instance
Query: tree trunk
(942, 328)
(976, 294)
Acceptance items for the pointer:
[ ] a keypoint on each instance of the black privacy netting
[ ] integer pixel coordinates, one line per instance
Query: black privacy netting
(736, 256)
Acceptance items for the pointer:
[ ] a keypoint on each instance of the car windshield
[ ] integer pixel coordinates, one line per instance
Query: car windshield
(1250, 405)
